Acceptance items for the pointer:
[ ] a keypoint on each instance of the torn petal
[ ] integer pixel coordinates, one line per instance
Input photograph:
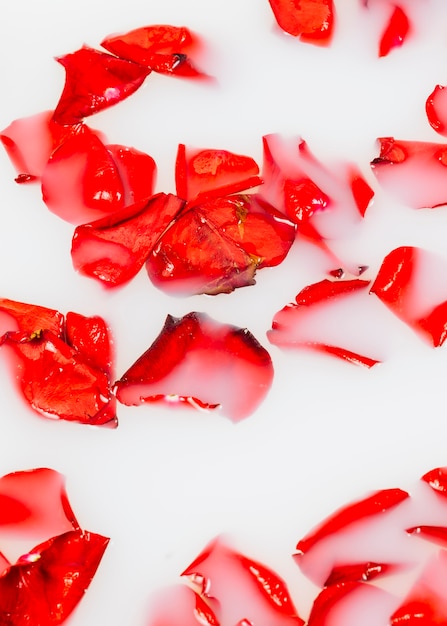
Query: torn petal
(202, 362)
(29, 319)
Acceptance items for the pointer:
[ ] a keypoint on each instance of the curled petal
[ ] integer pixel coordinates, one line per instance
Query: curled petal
(95, 81)
(436, 109)
(358, 572)
(437, 480)
(436, 534)
(202, 362)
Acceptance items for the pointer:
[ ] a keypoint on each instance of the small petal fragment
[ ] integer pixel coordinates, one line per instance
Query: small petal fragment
(95, 81)
(437, 480)
(203, 363)
(310, 20)
(45, 585)
(395, 32)
(181, 605)
(115, 248)
(413, 171)
(436, 109)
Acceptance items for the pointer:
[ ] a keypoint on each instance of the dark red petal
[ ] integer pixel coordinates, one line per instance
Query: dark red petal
(216, 247)
(181, 605)
(137, 171)
(47, 367)
(34, 503)
(90, 337)
(45, 586)
(81, 181)
(414, 171)
(29, 142)
(244, 589)
(30, 319)
(204, 174)
(426, 604)
(436, 109)
(437, 480)
(95, 81)
(358, 572)
(162, 48)
(344, 355)
(411, 284)
(396, 31)
(203, 362)
(378, 502)
(310, 20)
(436, 534)
(115, 248)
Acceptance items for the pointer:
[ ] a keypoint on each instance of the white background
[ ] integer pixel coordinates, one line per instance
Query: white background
(166, 482)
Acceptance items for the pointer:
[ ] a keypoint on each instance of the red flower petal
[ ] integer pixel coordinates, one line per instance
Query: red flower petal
(29, 319)
(162, 48)
(414, 171)
(95, 81)
(116, 247)
(318, 316)
(137, 171)
(48, 367)
(202, 362)
(204, 174)
(378, 502)
(426, 603)
(358, 572)
(436, 109)
(396, 31)
(310, 20)
(437, 480)
(245, 589)
(90, 337)
(45, 586)
(412, 286)
(436, 534)
(181, 605)
(35, 503)
(30, 141)
(216, 247)
(81, 181)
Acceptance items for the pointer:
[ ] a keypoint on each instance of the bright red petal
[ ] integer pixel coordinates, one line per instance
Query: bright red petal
(161, 48)
(412, 286)
(436, 109)
(95, 81)
(437, 480)
(310, 20)
(204, 363)
(137, 171)
(358, 572)
(115, 248)
(181, 605)
(204, 174)
(29, 319)
(396, 31)
(45, 586)
(245, 589)
(435, 534)
(90, 337)
(47, 367)
(414, 171)
(35, 503)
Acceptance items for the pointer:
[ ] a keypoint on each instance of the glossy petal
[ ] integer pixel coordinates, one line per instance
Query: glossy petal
(435, 534)
(45, 585)
(202, 362)
(359, 572)
(245, 589)
(396, 31)
(90, 337)
(379, 502)
(323, 314)
(204, 174)
(181, 605)
(95, 81)
(115, 248)
(413, 171)
(35, 502)
(437, 480)
(412, 286)
(310, 20)
(137, 171)
(29, 319)
(47, 367)
(160, 47)
(436, 109)
(218, 246)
